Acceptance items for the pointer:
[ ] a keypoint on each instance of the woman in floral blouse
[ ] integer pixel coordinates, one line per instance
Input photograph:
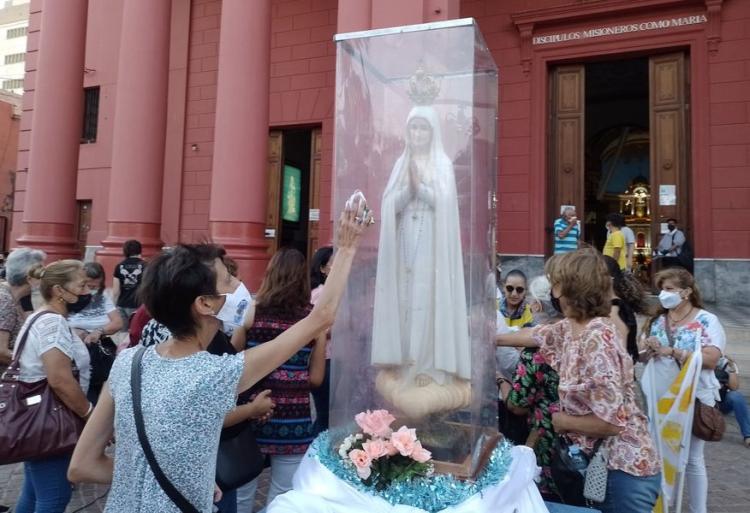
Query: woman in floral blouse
(691, 327)
(596, 389)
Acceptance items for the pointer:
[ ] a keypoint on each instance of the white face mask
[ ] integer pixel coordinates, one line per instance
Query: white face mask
(670, 300)
(233, 312)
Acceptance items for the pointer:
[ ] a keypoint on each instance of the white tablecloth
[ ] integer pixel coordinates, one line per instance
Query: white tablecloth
(318, 490)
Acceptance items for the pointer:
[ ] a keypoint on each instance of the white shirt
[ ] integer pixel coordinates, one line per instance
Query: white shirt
(51, 331)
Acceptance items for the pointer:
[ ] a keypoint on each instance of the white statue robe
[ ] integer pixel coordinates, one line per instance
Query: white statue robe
(420, 317)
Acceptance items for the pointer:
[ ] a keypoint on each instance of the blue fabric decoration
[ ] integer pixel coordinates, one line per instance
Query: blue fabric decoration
(431, 494)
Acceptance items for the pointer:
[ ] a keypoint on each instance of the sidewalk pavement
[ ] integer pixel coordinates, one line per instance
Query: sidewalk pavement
(726, 461)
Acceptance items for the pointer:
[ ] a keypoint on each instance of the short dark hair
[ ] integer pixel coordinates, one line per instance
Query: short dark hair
(319, 260)
(518, 274)
(131, 248)
(616, 219)
(672, 219)
(173, 280)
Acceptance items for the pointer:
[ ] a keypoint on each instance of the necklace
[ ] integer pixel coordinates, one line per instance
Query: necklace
(678, 321)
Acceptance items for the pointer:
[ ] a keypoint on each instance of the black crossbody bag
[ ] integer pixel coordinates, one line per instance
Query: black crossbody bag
(166, 485)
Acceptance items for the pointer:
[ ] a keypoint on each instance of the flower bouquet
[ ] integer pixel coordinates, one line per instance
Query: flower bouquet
(380, 455)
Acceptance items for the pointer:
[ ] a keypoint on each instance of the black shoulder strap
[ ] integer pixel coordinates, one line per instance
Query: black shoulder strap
(166, 485)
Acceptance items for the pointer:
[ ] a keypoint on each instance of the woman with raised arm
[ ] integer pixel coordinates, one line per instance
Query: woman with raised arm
(191, 390)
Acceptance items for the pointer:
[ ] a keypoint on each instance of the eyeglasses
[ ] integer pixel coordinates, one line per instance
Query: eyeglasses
(510, 288)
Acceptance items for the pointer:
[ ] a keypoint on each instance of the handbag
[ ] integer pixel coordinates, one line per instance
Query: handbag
(597, 473)
(569, 479)
(239, 459)
(708, 422)
(135, 385)
(34, 423)
(102, 355)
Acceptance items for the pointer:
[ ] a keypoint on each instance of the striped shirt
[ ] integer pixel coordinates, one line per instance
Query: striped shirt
(570, 241)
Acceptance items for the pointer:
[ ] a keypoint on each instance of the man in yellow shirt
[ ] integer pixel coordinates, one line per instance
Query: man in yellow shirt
(615, 246)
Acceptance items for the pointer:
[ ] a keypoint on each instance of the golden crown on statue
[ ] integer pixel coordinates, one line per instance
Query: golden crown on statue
(423, 89)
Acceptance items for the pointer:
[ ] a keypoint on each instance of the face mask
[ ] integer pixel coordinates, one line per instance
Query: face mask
(670, 300)
(555, 303)
(82, 302)
(670, 227)
(233, 312)
(26, 304)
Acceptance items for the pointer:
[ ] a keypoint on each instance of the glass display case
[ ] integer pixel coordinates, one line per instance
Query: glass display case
(416, 121)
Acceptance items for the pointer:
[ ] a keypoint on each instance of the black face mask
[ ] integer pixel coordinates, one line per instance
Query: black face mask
(555, 303)
(26, 304)
(83, 302)
(670, 227)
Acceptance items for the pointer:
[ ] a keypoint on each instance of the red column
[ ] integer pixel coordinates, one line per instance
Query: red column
(49, 214)
(239, 183)
(139, 129)
(354, 15)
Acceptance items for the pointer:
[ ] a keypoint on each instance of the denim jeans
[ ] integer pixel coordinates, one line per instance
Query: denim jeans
(735, 401)
(627, 493)
(228, 502)
(45, 486)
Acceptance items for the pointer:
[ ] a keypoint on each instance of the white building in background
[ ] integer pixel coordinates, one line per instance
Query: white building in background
(14, 25)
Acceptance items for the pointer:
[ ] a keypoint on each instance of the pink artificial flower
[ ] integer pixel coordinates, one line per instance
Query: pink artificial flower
(537, 358)
(362, 463)
(405, 440)
(420, 454)
(390, 448)
(521, 371)
(375, 423)
(376, 448)
(539, 376)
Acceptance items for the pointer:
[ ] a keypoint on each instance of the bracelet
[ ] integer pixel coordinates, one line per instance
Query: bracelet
(88, 412)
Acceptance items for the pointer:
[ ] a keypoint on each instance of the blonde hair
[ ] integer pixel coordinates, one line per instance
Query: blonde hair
(584, 282)
(60, 273)
(683, 279)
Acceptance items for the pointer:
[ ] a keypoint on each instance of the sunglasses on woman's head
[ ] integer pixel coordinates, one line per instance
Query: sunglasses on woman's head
(511, 288)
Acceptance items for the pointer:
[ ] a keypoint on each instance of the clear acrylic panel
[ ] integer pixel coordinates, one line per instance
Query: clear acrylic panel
(416, 117)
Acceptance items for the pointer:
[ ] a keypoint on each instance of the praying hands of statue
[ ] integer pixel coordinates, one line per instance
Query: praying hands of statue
(413, 178)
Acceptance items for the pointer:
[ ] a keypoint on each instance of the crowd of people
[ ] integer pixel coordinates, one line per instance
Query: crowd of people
(572, 373)
(206, 359)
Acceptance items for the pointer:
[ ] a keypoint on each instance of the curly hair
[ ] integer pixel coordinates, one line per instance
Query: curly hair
(628, 288)
(584, 283)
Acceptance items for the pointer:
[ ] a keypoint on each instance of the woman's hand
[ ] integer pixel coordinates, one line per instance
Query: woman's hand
(92, 337)
(217, 493)
(560, 423)
(353, 221)
(262, 406)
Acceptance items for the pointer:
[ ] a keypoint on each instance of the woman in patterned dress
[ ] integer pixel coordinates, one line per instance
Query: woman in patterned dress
(597, 387)
(691, 328)
(282, 300)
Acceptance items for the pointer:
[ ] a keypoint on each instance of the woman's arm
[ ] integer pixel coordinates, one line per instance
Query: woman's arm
(520, 338)
(261, 406)
(113, 326)
(89, 463)
(115, 290)
(6, 355)
(590, 425)
(318, 361)
(64, 384)
(264, 358)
